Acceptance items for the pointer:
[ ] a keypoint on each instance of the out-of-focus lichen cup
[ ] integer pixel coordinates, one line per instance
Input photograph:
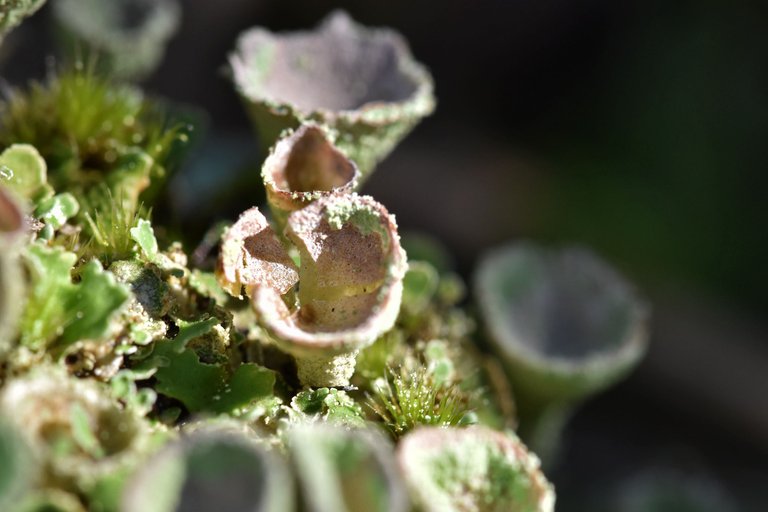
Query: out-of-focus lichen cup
(13, 12)
(345, 470)
(212, 469)
(473, 468)
(566, 326)
(11, 280)
(128, 36)
(361, 82)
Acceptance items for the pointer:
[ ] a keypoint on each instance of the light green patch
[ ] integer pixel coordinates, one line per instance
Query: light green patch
(347, 210)
(475, 475)
(57, 210)
(144, 235)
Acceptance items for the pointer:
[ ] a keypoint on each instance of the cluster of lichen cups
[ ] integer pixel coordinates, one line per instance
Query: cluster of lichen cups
(318, 368)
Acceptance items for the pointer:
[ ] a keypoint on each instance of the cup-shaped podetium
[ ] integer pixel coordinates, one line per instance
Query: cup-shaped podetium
(350, 286)
(474, 468)
(302, 167)
(74, 428)
(11, 275)
(345, 470)
(565, 324)
(350, 281)
(361, 82)
(13, 12)
(226, 471)
(129, 36)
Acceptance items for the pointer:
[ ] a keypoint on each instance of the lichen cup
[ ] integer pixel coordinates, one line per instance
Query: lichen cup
(345, 470)
(13, 12)
(565, 325)
(11, 277)
(212, 469)
(350, 281)
(77, 433)
(361, 82)
(472, 469)
(302, 167)
(128, 36)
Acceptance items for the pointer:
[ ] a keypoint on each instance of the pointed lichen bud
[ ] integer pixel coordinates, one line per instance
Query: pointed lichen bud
(11, 281)
(251, 255)
(345, 469)
(361, 82)
(302, 167)
(474, 468)
(350, 286)
(565, 324)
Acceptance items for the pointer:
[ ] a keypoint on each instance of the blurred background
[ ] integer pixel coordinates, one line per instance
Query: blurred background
(637, 128)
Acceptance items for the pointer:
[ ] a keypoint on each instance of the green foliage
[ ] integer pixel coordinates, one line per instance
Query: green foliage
(60, 312)
(23, 170)
(201, 386)
(330, 404)
(408, 399)
(91, 131)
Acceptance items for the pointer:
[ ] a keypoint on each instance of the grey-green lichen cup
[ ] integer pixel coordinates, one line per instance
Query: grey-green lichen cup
(76, 431)
(473, 469)
(345, 470)
(13, 12)
(360, 82)
(565, 325)
(302, 167)
(128, 36)
(212, 469)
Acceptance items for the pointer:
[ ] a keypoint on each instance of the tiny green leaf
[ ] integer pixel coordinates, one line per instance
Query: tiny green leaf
(144, 235)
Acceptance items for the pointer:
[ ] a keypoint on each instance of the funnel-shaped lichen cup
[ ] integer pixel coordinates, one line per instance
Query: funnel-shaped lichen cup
(11, 279)
(350, 281)
(76, 431)
(565, 324)
(361, 82)
(13, 12)
(473, 468)
(345, 470)
(127, 36)
(225, 471)
(302, 167)
(350, 286)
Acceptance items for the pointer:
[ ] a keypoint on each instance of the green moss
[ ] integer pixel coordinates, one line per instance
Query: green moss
(412, 398)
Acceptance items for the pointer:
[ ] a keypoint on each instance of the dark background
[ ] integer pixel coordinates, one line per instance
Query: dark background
(638, 128)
